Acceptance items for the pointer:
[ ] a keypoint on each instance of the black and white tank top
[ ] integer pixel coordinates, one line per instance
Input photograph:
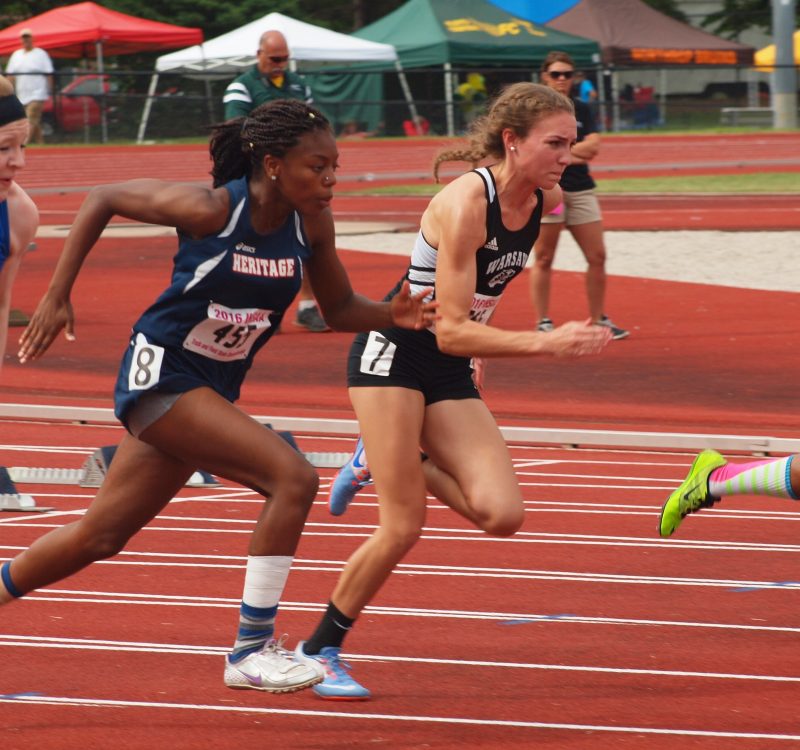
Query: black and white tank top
(500, 259)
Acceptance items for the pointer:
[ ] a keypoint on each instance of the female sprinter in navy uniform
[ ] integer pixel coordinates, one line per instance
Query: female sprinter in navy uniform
(242, 247)
(412, 389)
(18, 215)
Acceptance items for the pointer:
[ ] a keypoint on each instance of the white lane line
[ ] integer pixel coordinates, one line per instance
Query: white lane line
(595, 486)
(48, 449)
(462, 721)
(92, 644)
(475, 535)
(507, 618)
(234, 562)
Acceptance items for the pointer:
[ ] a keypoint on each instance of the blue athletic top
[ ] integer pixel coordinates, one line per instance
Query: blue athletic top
(227, 297)
(5, 234)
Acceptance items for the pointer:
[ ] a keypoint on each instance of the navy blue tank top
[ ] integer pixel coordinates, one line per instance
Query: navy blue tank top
(229, 291)
(5, 234)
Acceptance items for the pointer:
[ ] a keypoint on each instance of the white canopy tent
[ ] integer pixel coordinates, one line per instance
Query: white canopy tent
(235, 51)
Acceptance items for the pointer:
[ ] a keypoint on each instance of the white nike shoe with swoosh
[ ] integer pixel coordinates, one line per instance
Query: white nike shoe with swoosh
(273, 669)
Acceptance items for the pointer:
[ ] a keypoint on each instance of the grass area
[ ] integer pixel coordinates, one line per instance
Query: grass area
(766, 182)
(763, 182)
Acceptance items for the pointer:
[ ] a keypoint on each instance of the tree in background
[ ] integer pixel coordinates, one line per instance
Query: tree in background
(216, 17)
(737, 16)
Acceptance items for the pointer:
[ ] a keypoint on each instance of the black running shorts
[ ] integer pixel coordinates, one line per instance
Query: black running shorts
(409, 359)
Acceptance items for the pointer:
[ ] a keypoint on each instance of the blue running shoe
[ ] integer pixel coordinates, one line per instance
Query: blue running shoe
(351, 478)
(338, 685)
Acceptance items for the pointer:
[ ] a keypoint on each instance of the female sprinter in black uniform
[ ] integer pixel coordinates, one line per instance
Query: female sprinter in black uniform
(412, 389)
(243, 244)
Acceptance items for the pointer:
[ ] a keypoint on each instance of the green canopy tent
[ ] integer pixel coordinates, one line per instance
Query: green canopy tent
(470, 33)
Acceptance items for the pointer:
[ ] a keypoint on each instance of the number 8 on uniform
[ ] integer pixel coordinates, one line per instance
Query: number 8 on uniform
(145, 369)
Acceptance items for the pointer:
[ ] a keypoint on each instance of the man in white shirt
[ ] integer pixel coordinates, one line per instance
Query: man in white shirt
(31, 71)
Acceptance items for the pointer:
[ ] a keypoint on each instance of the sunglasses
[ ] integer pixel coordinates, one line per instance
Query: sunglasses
(557, 74)
(278, 59)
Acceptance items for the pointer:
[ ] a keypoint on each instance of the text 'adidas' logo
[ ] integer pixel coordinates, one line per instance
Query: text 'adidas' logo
(491, 244)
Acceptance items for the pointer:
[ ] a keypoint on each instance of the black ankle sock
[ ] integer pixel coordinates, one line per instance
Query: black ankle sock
(332, 629)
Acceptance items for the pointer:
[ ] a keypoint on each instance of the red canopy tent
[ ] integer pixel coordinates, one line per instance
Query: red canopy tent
(90, 30)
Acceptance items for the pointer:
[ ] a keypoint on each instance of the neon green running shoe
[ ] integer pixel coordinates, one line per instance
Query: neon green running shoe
(693, 493)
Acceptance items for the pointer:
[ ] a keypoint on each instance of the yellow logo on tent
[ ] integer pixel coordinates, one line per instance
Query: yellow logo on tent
(512, 27)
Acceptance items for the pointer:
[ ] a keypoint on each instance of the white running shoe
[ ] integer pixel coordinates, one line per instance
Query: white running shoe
(273, 669)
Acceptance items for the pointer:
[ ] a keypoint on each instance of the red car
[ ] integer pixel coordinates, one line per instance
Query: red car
(76, 106)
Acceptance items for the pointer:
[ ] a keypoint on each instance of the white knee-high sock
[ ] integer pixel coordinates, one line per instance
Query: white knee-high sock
(264, 581)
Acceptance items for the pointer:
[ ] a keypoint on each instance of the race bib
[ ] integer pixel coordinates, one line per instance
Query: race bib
(482, 308)
(145, 369)
(227, 334)
(378, 355)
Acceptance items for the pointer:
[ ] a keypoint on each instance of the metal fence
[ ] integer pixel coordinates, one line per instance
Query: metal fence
(88, 108)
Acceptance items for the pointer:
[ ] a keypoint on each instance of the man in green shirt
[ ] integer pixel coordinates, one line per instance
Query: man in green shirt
(270, 79)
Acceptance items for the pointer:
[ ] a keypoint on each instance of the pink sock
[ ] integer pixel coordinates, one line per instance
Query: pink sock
(767, 477)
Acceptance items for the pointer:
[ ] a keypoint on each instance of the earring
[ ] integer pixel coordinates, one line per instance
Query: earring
(273, 177)
(512, 148)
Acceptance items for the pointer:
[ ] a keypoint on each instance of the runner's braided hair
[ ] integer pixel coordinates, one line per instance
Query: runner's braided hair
(519, 107)
(238, 146)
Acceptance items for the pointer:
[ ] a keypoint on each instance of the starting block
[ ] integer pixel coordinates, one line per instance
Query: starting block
(327, 460)
(317, 460)
(12, 500)
(95, 468)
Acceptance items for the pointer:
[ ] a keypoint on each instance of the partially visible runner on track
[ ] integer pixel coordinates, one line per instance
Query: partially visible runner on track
(712, 477)
(19, 217)
(242, 247)
(413, 389)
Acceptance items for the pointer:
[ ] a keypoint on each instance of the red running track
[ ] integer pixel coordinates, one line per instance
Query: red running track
(695, 359)
(393, 160)
(620, 212)
(53, 172)
(582, 631)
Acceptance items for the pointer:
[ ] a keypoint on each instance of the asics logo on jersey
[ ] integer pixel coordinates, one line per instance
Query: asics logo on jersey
(491, 244)
(246, 248)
